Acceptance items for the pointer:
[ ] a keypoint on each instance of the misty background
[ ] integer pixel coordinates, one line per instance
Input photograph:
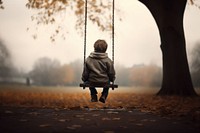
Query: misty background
(27, 54)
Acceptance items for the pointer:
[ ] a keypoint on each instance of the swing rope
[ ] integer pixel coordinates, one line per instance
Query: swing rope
(85, 30)
(113, 29)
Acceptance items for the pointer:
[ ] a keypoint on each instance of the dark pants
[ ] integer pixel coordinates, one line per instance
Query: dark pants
(93, 91)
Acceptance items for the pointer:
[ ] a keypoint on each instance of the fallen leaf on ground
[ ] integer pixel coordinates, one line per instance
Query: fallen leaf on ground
(95, 115)
(105, 119)
(8, 112)
(23, 120)
(44, 125)
(62, 120)
(109, 132)
(139, 124)
(79, 116)
(116, 119)
(76, 126)
(112, 112)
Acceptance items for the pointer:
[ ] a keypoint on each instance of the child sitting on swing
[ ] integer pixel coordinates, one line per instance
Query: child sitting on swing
(98, 69)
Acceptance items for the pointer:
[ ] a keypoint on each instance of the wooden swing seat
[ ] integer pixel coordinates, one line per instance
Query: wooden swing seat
(113, 86)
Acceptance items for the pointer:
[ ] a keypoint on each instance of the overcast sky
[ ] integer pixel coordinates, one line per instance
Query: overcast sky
(136, 36)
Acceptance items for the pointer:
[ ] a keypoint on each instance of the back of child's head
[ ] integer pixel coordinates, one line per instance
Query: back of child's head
(100, 46)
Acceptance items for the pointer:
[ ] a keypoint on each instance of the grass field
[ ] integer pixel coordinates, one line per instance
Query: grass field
(143, 99)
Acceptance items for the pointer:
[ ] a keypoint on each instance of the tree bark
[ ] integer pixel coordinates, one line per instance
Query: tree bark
(168, 15)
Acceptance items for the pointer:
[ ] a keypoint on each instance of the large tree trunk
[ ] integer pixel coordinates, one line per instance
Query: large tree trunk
(168, 15)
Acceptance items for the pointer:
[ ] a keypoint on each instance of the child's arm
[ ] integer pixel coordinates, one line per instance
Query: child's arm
(111, 71)
(85, 74)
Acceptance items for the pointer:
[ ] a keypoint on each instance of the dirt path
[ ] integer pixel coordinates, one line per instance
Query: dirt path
(15, 119)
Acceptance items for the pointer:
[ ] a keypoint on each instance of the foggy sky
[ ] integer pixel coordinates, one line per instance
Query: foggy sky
(136, 36)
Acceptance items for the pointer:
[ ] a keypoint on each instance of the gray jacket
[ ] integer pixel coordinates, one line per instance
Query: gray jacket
(98, 68)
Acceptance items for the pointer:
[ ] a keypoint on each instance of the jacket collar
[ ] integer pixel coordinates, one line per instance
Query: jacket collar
(98, 55)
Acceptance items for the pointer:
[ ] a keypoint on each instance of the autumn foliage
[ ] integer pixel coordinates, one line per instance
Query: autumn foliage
(44, 97)
(99, 12)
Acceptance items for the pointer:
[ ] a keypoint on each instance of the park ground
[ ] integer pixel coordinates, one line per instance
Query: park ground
(68, 109)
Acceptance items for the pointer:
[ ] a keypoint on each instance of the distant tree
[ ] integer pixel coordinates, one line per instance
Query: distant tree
(78, 69)
(45, 71)
(66, 74)
(5, 61)
(8, 72)
(50, 72)
(195, 65)
(122, 75)
(145, 75)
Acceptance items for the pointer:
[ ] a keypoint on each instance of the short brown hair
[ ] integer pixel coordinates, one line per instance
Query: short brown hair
(100, 46)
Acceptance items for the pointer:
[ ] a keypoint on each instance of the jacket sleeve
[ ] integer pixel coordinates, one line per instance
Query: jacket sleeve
(111, 71)
(85, 74)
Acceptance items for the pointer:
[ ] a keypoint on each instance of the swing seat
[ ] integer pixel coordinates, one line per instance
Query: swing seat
(113, 86)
